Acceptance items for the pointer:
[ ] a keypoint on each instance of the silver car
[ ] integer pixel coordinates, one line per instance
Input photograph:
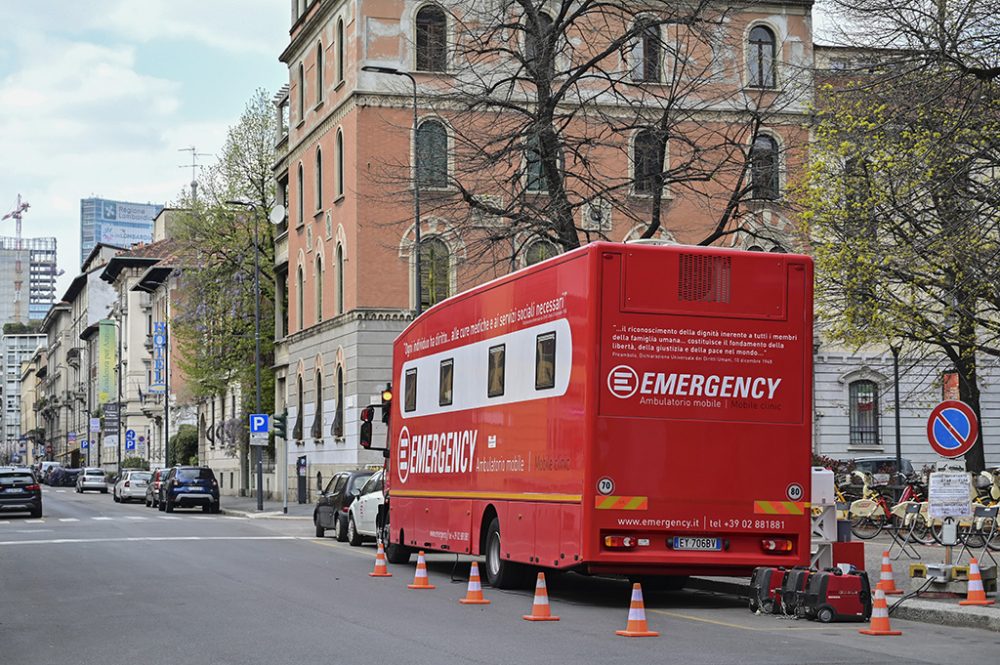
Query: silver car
(92, 478)
(131, 486)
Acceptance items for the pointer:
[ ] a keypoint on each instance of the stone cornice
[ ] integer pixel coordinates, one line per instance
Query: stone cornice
(395, 315)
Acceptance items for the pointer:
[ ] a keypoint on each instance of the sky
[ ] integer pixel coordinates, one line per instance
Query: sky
(98, 97)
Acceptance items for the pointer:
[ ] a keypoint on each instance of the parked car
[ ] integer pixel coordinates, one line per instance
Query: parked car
(92, 478)
(131, 485)
(365, 512)
(190, 486)
(63, 477)
(20, 491)
(154, 486)
(334, 502)
(45, 470)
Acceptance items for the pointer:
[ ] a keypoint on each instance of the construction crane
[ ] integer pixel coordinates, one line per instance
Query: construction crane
(16, 213)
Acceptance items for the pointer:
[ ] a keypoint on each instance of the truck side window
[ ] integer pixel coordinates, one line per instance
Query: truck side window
(410, 403)
(545, 361)
(447, 378)
(495, 376)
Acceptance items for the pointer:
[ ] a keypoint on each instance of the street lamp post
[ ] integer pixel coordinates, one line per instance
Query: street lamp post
(256, 324)
(895, 385)
(392, 71)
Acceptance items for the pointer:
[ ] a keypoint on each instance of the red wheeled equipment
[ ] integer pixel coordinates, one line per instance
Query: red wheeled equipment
(793, 588)
(765, 589)
(832, 595)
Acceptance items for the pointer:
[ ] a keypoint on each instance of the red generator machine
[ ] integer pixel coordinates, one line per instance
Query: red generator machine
(765, 589)
(793, 589)
(832, 595)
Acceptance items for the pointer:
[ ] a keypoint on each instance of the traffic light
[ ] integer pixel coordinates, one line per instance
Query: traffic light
(279, 425)
(365, 433)
(386, 402)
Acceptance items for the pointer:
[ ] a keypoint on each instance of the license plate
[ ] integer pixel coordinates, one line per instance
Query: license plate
(12, 490)
(196, 489)
(699, 544)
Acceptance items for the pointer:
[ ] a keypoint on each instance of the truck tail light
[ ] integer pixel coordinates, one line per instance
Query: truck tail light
(776, 545)
(619, 542)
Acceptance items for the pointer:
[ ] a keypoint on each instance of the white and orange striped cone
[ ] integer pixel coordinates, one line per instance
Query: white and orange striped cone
(880, 617)
(420, 580)
(540, 610)
(381, 570)
(977, 594)
(637, 626)
(886, 581)
(474, 596)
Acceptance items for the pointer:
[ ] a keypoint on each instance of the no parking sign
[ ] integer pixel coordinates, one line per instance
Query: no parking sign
(952, 428)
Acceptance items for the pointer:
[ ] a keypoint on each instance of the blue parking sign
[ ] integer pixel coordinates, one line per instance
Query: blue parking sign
(259, 423)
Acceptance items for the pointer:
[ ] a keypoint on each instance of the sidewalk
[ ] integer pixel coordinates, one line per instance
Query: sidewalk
(944, 611)
(246, 506)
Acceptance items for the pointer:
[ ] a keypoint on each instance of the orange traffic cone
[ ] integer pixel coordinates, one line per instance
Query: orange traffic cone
(637, 626)
(381, 570)
(474, 596)
(540, 608)
(977, 595)
(420, 580)
(880, 617)
(886, 581)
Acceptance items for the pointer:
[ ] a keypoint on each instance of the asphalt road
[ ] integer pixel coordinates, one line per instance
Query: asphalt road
(95, 582)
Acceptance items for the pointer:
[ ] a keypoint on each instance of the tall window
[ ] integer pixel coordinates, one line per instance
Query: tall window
(340, 50)
(539, 61)
(340, 278)
(764, 168)
(432, 35)
(864, 413)
(760, 58)
(646, 163)
(432, 154)
(338, 417)
(538, 251)
(319, 289)
(319, 72)
(300, 406)
(319, 179)
(435, 271)
(302, 92)
(647, 53)
(317, 425)
(300, 199)
(340, 163)
(299, 300)
(534, 169)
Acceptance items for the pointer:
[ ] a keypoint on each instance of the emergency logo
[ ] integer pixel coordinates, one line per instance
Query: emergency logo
(623, 381)
(438, 453)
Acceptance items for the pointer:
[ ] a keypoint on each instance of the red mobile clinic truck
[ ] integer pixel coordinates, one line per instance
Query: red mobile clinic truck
(622, 408)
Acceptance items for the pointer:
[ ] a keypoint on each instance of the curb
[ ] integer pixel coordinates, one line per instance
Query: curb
(913, 609)
(267, 515)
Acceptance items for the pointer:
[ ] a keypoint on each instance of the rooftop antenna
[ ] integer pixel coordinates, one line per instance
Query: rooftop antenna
(194, 166)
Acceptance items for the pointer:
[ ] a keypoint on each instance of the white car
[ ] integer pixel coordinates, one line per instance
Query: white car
(363, 514)
(131, 486)
(92, 478)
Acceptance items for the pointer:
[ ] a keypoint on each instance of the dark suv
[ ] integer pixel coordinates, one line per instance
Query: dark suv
(333, 504)
(19, 491)
(188, 486)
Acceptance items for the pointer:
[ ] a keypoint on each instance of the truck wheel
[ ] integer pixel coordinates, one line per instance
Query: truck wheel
(341, 526)
(395, 553)
(352, 533)
(500, 573)
(824, 614)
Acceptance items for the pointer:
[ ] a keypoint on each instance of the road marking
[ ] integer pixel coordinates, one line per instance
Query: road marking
(5, 522)
(201, 517)
(34, 521)
(68, 519)
(343, 547)
(726, 624)
(74, 541)
(102, 519)
(60, 491)
(167, 517)
(136, 517)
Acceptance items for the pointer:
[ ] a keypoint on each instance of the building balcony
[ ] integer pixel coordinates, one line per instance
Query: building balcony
(281, 249)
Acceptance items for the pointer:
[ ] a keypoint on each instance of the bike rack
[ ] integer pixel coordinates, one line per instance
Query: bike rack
(906, 544)
(983, 512)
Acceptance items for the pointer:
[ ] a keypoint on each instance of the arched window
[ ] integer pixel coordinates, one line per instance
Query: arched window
(432, 154)
(319, 72)
(300, 199)
(338, 416)
(300, 406)
(340, 163)
(302, 92)
(316, 430)
(647, 52)
(319, 179)
(864, 413)
(764, 168)
(340, 50)
(340, 278)
(760, 58)
(432, 35)
(539, 250)
(755, 248)
(646, 161)
(299, 300)
(777, 249)
(435, 271)
(540, 62)
(319, 289)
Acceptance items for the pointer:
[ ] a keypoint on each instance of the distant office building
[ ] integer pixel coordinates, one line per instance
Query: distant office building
(118, 223)
(27, 278)
(14, 350)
